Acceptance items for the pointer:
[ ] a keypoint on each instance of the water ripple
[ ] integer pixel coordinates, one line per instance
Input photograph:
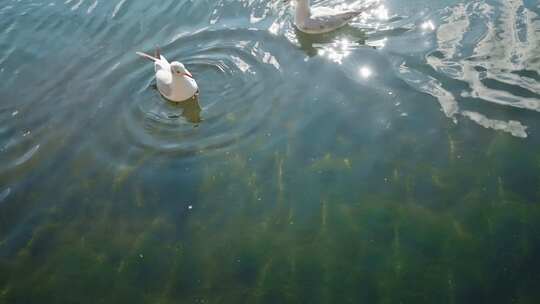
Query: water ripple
(486, 50)
(239, 78)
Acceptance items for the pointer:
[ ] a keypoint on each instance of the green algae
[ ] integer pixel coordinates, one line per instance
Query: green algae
(335, 227)
(367, 251)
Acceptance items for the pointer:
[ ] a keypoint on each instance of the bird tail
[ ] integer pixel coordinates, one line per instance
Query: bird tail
(157, 52)
(149, 57)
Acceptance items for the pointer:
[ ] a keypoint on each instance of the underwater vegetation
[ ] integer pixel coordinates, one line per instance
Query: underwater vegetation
(446, 233)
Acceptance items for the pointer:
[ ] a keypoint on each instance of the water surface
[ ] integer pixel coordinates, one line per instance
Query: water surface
(392, 161)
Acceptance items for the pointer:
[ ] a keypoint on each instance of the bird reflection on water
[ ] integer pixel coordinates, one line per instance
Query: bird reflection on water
(190, 110)
(341, 40)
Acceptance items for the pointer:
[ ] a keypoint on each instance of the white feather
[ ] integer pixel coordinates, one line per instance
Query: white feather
(174, 87)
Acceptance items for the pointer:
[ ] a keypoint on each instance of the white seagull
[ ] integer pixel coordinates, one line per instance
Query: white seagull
(321, 20)
(173, 80)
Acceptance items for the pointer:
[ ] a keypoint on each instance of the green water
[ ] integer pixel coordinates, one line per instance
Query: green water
(393, 161)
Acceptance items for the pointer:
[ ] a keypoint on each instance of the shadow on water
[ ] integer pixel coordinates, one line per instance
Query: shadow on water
(190, 110)
(310, 43)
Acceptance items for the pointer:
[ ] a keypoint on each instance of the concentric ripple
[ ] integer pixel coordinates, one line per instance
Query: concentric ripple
(238, 81)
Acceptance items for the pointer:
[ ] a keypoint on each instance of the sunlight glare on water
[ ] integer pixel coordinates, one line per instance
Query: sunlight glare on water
(365, 72)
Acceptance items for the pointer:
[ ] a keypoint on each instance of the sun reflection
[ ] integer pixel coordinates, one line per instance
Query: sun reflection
(428, 26)
(365, 72)
(338, 50)
(381, 13)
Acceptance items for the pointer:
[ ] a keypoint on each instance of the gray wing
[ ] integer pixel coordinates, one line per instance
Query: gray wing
(326, 23)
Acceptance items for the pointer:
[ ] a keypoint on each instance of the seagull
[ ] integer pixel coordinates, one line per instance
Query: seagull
(173, 80)
(321, 20)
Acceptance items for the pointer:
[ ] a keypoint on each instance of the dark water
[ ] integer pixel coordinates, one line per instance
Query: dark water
(394, 161)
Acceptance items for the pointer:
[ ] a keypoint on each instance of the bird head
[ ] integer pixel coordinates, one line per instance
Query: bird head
(179, 69)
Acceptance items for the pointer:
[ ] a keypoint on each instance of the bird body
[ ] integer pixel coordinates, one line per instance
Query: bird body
(321, 20)
(173, 80)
